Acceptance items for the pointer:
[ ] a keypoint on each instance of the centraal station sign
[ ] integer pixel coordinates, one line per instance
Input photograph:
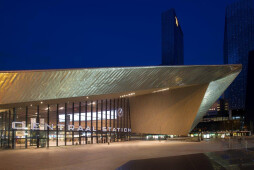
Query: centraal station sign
(38, 126)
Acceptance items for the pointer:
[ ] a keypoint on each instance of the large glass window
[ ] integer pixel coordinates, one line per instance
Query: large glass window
(31, 125)
(70, 123)
(52, 122)
(61, 124)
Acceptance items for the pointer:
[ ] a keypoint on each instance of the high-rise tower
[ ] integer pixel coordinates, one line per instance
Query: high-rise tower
(238, 41)
(172, 39)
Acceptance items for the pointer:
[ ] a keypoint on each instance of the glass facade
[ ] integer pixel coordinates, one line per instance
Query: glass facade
(70, 123)
(172, 39)
(238, 41)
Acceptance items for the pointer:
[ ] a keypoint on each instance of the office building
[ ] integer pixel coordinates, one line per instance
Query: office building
(172, 39)
(238, 41)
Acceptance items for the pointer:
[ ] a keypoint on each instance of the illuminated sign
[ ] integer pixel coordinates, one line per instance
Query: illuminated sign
(120, 112)
(37, 126)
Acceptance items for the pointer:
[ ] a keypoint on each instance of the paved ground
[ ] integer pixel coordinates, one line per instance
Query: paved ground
(103, 156)
(237, 159)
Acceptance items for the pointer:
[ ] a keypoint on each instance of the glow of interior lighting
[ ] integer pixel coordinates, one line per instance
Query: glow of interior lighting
(90, 116)
(91, 103)
(127, 95)
(61, 108)
(161, 90)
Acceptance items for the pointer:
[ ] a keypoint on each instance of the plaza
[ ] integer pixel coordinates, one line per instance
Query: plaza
(104, 156)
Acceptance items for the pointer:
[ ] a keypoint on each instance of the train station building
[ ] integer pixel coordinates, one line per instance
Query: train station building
(44, 108)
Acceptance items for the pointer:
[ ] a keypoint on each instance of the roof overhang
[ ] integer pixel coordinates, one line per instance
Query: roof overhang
(18, 87)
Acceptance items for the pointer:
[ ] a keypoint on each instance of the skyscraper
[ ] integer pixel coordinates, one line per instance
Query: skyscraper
(238, 41)
(249, 117)
(172, 39)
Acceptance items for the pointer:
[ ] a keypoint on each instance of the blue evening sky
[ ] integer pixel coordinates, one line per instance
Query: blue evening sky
(48, 34)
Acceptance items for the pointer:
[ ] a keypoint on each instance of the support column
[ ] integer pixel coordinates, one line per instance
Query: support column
(124, 116)
(48, 128)
(91, 122)
(121, 119)
(117, 117)
(2, 129)
(9, 129)
(97, 121)
(102, 120)
(106, 120)
(129, 114)
(73, 123)
(79, 113)
(14, 131)
(65, 123)
(38, 131)
(114, 123)
(86, 120)
(26, 126)
(110, 124)
(57, 120)
(127, 118)
(5, 129)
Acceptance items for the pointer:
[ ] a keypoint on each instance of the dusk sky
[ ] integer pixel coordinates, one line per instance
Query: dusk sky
(50, 34)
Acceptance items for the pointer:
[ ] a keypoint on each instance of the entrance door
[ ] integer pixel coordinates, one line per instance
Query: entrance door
(83, 140)
(42, 143)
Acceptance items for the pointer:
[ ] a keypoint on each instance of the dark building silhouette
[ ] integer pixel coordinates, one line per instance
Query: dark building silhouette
(238, 41)
(172, 39)
(250, 92)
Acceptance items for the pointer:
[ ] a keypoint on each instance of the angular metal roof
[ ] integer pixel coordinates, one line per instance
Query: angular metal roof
(40, 85)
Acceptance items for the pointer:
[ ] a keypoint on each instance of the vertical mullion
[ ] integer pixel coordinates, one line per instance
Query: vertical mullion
(73, 123)
(106, 120)
(91, 110)
(129, 113)
(2, 128)
(13, 131)
(124, 113)
(38, 131)
(26, 126)
(9, 128)
(127, 119)
(57, 120)
(65, 123)
(101, 119)
(48, 128)
(121, 119)
(86, 120)
(110, 119)
(117, 117)
(114, 123)
(5, 136)
(96, 121)
(79, 122)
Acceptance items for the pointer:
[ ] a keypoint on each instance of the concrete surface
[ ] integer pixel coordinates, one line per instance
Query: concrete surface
(104, 156)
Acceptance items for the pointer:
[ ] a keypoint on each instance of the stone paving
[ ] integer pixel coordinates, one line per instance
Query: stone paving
(104, 156)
